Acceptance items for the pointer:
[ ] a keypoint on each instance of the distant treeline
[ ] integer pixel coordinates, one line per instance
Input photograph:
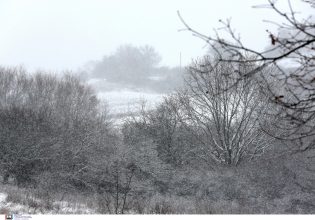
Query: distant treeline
(134, 67)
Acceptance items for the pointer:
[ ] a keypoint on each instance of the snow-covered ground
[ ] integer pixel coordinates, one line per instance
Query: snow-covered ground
(122, 102)
(11, 207)
(26, 203)
(3, 197)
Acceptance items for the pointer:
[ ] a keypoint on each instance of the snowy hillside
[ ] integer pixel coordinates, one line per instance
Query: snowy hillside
(126, 101)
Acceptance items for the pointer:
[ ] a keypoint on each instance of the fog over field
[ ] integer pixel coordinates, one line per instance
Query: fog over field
(157, 107)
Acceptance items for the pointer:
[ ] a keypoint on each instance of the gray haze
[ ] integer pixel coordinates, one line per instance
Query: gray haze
(58, 35)
(130, 131)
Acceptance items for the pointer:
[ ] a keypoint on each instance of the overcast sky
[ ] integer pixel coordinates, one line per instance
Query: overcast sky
(65, 34)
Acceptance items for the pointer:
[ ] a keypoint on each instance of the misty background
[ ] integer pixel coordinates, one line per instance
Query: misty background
(127, 50)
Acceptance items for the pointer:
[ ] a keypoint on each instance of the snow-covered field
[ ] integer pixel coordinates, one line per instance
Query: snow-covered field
(125, 101)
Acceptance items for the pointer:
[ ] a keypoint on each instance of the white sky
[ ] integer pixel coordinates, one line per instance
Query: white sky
(65, 34)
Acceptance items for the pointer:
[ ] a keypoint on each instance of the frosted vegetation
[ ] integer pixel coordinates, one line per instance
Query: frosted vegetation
(126, 135)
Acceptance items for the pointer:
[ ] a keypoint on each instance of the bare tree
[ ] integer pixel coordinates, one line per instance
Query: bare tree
(293, 46)
(225, 118)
